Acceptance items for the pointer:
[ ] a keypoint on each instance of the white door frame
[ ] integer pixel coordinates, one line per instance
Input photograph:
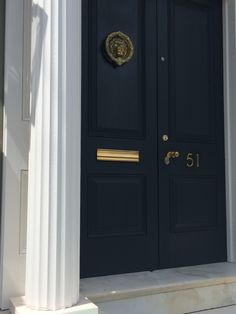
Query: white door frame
(16, 142)
(229, 43)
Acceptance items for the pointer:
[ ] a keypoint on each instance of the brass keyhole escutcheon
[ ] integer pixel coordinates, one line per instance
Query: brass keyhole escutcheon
(169, 156)
(165, 138)
(119, 48)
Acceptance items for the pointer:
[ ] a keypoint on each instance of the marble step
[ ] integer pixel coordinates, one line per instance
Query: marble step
(222, 310)
(170, 291)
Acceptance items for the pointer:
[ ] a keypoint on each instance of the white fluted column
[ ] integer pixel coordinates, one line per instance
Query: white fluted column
(52, 266)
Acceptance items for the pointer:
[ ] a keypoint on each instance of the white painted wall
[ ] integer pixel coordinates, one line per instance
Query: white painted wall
(15, 157)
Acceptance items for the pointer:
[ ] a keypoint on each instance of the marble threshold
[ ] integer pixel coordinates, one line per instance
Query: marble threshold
(119, 287)
(169, 291)
(222, 310)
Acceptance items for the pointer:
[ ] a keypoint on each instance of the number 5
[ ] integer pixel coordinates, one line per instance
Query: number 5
(190, 160)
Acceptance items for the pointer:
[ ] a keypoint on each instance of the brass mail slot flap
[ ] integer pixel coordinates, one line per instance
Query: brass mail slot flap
(117, 155)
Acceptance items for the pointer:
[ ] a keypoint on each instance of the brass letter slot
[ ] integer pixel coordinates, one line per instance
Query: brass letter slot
(117, 155)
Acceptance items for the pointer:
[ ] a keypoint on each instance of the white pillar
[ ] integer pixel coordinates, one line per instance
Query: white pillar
(52, 264)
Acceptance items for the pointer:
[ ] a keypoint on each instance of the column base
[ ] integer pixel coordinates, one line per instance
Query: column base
(18, 306)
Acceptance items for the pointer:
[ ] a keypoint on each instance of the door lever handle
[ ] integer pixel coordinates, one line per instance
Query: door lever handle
(170, 155)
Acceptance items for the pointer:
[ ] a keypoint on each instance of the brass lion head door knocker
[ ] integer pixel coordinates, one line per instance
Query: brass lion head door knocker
(119, 48)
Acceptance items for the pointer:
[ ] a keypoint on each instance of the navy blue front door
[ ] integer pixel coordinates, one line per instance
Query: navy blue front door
(153, 189)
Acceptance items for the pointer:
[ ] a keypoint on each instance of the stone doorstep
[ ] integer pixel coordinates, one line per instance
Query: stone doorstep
(169, 291)
(175, 291)
(222, 310)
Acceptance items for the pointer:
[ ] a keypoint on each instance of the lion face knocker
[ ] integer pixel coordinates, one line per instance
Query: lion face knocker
(119, 48)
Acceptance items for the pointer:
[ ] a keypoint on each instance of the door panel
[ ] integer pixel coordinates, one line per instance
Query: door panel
(192, 187)
(193, 203)
(117, 93)
(119, 201)
(191, 51)
(125, 215)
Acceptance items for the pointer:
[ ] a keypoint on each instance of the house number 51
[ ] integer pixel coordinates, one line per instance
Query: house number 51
(193, 160)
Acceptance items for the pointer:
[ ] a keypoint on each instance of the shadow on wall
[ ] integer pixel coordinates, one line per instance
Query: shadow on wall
(39, 25)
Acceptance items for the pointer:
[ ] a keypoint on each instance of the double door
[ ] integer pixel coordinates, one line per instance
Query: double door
(153, 180)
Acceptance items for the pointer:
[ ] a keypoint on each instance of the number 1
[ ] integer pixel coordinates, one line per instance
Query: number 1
(198, 161)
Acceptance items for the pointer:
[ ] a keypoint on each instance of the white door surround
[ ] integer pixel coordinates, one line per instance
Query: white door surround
(8, 212)
(229, 36)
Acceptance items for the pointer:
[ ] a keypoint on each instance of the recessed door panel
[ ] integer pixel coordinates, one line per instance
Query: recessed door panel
(193, 203)
(117, 92)
(118, 207)
(191, 49)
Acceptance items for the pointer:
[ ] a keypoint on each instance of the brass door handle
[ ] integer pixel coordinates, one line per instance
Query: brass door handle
(170, 155)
